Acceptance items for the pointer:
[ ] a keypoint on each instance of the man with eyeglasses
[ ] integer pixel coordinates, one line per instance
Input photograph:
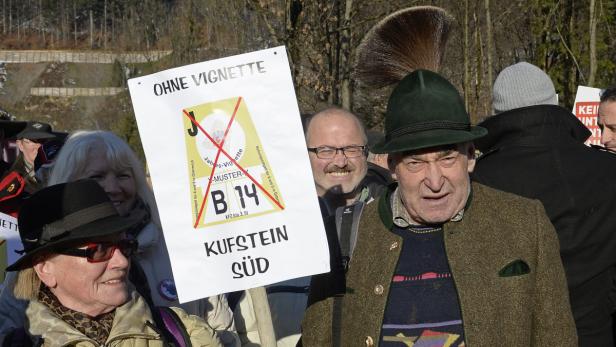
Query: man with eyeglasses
(441, 261)
(337, 146)
(74, 271)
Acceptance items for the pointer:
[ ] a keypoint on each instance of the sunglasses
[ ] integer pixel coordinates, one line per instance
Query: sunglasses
(102, 251)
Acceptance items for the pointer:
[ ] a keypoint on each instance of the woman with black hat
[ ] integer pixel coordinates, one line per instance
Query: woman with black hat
(75, 269)
(104, 157)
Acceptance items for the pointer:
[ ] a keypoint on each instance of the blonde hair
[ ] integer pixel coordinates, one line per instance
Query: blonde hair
(73, 159)
(27, 284)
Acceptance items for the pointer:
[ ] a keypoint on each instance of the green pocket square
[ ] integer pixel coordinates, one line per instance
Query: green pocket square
(515, 268)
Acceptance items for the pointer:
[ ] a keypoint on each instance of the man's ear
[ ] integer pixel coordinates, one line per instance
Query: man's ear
(392, 161)
(45, 271)
(472, 157)
(20, 145)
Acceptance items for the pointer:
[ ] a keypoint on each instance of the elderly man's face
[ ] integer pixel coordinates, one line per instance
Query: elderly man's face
(434, 182)
(607, 123)
(339, 175)
(90, 288)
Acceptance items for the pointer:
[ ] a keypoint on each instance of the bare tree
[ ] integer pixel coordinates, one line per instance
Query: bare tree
(91, 29)
(479, 58)
(104, 26)
(467, 72)
(10, 15)
(593, 43)
(345, 57)
(489, 41)
(75, 22)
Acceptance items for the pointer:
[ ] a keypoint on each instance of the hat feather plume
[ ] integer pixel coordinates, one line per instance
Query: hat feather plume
(407, 40)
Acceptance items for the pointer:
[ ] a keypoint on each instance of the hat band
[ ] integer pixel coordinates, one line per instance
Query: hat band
(423, 126)
(77, 219)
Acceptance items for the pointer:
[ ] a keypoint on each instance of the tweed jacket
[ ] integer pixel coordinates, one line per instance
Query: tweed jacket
(499, 307)
(129, 327)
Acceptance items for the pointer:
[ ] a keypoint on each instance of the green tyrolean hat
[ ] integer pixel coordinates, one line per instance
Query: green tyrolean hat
(425, 110)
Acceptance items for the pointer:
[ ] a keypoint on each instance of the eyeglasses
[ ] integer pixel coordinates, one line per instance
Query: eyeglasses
(102, 251)
(326, 152)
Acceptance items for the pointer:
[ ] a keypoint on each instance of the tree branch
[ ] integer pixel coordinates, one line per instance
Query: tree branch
(562, 39)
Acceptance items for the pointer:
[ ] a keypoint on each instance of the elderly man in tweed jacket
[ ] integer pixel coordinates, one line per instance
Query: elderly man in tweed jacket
(440, 261)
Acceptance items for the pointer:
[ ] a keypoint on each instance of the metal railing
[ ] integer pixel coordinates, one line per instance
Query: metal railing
(39, 56)
(70, 92)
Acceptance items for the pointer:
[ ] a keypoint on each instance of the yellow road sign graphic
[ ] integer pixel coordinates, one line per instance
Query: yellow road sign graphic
(230, 177)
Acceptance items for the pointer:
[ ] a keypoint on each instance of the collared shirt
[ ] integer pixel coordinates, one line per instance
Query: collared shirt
(401, 215)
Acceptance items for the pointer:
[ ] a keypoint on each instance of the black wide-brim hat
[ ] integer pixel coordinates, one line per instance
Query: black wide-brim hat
(68, 214)
(36, 131)
(424, 111)
(10, 128)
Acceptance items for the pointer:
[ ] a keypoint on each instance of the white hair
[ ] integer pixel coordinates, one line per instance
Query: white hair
(72, 161)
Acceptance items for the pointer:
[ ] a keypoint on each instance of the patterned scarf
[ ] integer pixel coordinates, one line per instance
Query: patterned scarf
(140, 205)
(96, 328)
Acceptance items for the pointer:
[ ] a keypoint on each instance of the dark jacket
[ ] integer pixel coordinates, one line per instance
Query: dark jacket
(498, 230)
(20, 166)
(16, 185)
(539, 152)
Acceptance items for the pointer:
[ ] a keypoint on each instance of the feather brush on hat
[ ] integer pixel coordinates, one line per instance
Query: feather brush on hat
(407, 40)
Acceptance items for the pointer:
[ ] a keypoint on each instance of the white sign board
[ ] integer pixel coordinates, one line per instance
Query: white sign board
(585, 108)
(9, 233)
(228, 161)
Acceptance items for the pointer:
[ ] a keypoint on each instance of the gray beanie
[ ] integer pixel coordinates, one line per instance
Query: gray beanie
(522, 85)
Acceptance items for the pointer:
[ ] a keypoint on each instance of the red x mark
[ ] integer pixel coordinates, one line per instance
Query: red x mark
(221, 150)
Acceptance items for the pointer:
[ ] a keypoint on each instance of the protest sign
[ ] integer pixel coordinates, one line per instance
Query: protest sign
(9, 234)
(230, 171)
(585, 108)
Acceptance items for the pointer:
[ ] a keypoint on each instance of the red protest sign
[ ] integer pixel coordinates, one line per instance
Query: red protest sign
(587, 114)
(585, 109)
